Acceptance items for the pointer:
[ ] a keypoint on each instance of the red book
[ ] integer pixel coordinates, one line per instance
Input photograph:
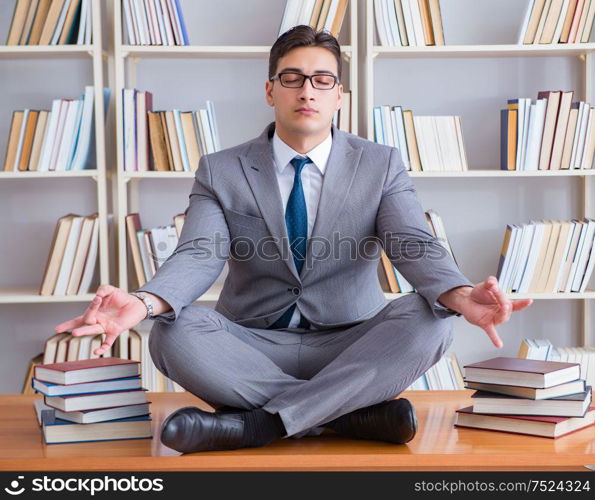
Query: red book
(87, 370)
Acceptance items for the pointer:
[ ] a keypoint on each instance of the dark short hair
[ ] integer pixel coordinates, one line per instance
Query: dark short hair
(303, 36)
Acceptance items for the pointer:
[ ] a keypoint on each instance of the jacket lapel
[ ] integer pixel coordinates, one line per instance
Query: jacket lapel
(259, 169)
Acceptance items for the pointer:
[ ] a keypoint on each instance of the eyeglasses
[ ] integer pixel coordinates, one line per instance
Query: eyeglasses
(319, 81)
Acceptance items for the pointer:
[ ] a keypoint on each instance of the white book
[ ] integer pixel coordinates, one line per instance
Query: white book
(589, 270)
(91, 259)
(435, 141)
(306, 11)
(402, 138)
(529, 110)
(142, 132)
(175, 20)
(153, 21)
(160, 22)
(587, 156)
(67, 135)
(139, 16)
(576, 256)
(535, 135)
(519, 133)
(49, 136)
(71, 132)
(383, 37)
(377, 114)
(421, 143)
(417, 25)
(521, 264)
(19, 152)
(213, 124)
(525, 24)
(144, 253)
(128, 20)
(584, 255)
(387, 122)
(89, 26)
(167, 24)
(290, 15)
(561, 19)
(129, 123)
(60, 25)
(386, 20)
(204, 118)
(80, 40)
(461, 144)
(64, 108)
(581, 136)
(394, 23)
(503, 278)
(572, 234)
(86, 126)
(536, 241)
(521, 240)
(407, 14)
(393, 126)
(581, 110)
(332, 12)
(68, 258)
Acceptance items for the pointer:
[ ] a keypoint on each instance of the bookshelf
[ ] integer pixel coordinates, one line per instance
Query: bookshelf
(95, 57)
(128, 187)
(390, 57)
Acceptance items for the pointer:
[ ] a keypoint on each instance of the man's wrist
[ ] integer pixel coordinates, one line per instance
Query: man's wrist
(456, 298)
(146, 300)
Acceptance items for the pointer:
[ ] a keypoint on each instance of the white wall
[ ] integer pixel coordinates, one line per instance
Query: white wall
(475, 210)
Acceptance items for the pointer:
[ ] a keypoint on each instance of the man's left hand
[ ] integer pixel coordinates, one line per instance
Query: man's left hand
(484, 305)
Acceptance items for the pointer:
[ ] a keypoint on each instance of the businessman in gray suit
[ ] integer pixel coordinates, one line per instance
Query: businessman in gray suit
(301, 338)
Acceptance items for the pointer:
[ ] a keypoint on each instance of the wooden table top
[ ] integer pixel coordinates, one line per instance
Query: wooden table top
(438, 445)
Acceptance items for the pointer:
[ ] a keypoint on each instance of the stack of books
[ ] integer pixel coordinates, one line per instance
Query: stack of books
(426, 143)
(525, 396)
(547, 256)
(408, 23)
(154, 22)
(60, 139)
(557, 21)
(319, 14)
(150, 248)
(91, 400)
(165, 140)
(391, 280)
(51, 22)
(445, 375)
(72, 260)
(553, 133)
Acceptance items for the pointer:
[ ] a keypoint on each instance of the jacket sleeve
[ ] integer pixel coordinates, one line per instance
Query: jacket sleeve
(409, 243)
(201, 253)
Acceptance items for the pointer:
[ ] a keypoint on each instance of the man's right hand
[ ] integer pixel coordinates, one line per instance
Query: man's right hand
(112, 311)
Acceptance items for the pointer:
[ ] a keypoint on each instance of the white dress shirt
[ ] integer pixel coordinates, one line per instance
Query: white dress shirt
(312, 177)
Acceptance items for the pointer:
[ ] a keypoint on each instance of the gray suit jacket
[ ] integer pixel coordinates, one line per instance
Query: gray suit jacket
(235, 214)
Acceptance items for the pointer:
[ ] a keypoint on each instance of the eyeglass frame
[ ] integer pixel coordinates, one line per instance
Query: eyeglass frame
(309, 77)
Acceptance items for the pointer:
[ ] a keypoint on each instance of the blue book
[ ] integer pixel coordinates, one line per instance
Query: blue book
(55, 430)
(112, 385)
(182, 23)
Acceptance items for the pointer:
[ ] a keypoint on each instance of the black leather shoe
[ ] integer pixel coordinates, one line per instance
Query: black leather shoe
(191, 429)
(393, 421)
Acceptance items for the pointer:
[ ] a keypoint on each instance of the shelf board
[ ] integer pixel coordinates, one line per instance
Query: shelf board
(551, 50)
(45, 51)
(152, 174)
(48, 175)
(30, 295)
(203, 51)
(506, 173)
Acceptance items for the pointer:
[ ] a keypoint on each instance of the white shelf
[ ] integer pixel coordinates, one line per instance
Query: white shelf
(30, 295)
(203, 51)
(510, 174)
(153, 174)
(573, 49)
(45, 51)
(48, 175)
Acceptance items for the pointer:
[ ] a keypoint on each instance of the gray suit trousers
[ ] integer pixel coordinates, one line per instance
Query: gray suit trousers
(308, 377)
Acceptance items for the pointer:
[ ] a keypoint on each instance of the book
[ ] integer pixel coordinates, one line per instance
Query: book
(569, 405)
(92, 416)
(96, 400)
(56, 430)
(87, 370)
(566, 388)
(522, 372)
(533, 425)
(117, 384)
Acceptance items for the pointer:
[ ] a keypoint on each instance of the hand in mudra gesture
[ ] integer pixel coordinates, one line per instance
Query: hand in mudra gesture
(112, 311)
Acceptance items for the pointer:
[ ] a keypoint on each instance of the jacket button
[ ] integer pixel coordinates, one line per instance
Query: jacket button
(296, 290)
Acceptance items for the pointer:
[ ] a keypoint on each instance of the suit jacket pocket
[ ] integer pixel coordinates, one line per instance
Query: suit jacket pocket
(245, 221)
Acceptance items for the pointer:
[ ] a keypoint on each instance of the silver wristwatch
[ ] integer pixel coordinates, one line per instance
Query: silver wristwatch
(147, 301)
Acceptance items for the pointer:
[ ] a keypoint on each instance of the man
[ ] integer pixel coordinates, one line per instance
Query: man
(301, 337)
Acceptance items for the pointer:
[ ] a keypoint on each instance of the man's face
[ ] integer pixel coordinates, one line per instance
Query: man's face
(288, 101)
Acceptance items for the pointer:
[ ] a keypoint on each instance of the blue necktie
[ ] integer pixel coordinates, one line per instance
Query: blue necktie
(296, 219)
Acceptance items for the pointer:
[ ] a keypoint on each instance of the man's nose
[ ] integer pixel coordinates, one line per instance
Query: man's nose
(306, 91)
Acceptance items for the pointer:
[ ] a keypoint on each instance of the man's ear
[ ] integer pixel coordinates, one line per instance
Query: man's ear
(268, 92)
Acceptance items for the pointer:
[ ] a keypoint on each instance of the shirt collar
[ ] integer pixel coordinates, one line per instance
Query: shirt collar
(284, 153)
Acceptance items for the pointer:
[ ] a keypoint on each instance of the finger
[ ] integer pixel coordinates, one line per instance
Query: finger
(69, 325)
(109, 341)
(493, 334)
(503, 301)
(104, 290)
(519, 305)
(90, 316)
(88, 330)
